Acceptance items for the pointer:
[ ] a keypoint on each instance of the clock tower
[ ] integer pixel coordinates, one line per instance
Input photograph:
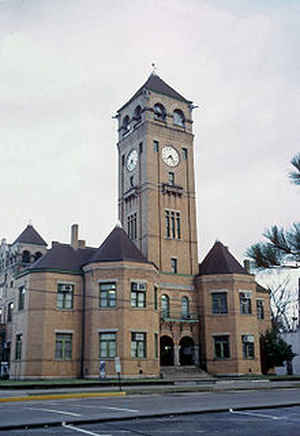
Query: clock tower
(156, 176)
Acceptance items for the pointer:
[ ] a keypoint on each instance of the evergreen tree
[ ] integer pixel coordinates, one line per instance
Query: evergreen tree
(274, 350)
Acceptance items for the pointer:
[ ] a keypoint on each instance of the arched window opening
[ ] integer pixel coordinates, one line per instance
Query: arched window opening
(125, 125)
(138, 114)
(185, 307)
(37, 255)
(159, 112)
(26, 256)
(178, 118)
(165, 306)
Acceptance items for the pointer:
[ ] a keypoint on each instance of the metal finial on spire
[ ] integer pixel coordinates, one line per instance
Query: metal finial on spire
(154, 68)
(30, 222)
(119, 224)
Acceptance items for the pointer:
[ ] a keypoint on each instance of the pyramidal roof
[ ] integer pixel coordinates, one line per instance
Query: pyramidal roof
(30, 236)
(117, 247)
(156, 84)
(220, 261)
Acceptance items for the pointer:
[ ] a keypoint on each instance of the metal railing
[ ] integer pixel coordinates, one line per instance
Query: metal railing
(179, 316)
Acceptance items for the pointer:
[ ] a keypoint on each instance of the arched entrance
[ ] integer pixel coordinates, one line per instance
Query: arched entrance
(166, 351)
(186, 353)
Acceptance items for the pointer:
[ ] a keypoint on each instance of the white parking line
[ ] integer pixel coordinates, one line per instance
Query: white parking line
(259, 415)
(62, 412)
(81, 430)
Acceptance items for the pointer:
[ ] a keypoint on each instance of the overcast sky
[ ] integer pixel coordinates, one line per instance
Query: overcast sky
(66, 66)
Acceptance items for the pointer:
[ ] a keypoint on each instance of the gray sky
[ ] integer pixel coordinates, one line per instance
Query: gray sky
(66, 66)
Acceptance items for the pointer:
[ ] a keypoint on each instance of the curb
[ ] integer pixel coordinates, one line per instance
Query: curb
(155, 415)
(62, 396)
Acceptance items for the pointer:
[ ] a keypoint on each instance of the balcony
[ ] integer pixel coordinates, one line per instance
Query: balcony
(172, 189)
(191, 317)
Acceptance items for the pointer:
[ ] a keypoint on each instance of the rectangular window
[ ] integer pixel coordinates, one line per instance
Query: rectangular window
(107, 345)
(21, 300)
(155, 298)
(222, 347)
(245, 302)
(141, 147)
(260, 310)
(10, 309)
(138, 345)
(248, 346)
(108, 295)
(184, 153)
(131, 226)
(171, 178)
(156, 146)
(173, 224)
(156, 345)
(63, 346)
(219, 302)
(19, 347)
(65, 295)
(138, 294)
(174, 265)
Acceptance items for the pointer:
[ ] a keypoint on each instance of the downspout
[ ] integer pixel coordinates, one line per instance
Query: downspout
(82, 348)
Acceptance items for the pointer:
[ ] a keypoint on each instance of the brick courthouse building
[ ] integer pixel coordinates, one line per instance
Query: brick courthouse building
(141, 295)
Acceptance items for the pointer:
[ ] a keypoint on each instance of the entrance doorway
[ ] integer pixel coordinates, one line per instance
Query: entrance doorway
(166, 351)
(186, 353)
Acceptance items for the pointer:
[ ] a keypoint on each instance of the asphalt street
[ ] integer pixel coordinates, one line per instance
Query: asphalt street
(275, 422)
(82, 411)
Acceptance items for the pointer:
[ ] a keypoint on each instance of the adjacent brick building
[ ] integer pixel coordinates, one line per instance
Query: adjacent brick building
(141, 295)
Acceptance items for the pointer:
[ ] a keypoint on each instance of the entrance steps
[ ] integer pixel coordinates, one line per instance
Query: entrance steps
(184, 373)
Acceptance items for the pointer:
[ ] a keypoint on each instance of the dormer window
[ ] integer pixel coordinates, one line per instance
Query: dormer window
(138, 114)
(125, 125)
(178, 118)
(159, 112)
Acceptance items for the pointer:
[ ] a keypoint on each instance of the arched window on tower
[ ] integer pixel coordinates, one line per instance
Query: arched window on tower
(185, 308)
(26, 256)
(37, 255)
(165, 306)
(159, 112)
(178, 118)
(125, 125)
(138, 114)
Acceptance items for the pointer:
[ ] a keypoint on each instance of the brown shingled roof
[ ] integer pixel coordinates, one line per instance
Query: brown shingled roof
(156, 84)
(220, 261)
(30, 236)
(117, 247)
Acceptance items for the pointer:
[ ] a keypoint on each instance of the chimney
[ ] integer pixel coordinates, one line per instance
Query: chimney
(74, 236)
(81, 243)
(247, 266)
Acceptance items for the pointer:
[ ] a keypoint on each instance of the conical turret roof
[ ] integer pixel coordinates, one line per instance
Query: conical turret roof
(220, 261)
(30, 236)
(117, 247)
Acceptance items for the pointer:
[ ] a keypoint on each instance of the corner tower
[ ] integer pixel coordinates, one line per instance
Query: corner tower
(156, 176)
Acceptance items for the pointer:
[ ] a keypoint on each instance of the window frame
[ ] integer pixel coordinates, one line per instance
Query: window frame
(64, 352)
(174, 265)
(138, 346)
(108, 295)
(110, 345)
(248, 347)
(260, 309)
(217, 303)
(246, 305)
(65, 298)
(178, 118)
(19, 346)
(222, 347)
(138, 297)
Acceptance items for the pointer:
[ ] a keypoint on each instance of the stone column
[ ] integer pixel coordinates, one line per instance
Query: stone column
(196, 355)
(176, 355)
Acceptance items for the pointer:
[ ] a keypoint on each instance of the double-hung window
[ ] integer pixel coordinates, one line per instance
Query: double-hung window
(138, 345)
(108, 294)
(260, 310)
(173, 224)
(65, 296)
(107, 345)
(138, 294)
(245, 302)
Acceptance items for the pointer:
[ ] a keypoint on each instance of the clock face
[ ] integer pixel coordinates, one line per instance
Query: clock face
(132, 159)
(170, 156)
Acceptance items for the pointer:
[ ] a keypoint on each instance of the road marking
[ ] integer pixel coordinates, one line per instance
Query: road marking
(260, 415)
(54, 411)
(81, 430)
(122, 410)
